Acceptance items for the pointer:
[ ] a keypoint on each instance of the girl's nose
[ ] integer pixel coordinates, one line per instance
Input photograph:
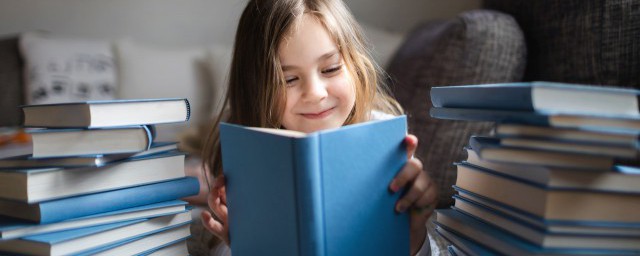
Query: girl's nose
(314, 90)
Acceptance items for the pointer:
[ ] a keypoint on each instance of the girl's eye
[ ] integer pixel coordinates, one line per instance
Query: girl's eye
(291, 80)
(332, 69)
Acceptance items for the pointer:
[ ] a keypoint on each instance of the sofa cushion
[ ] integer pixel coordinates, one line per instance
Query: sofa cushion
(476, 47)
(11, 90)
(62, 69)
(579, 41)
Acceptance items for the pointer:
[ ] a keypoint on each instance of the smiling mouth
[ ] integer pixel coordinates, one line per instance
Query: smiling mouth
(319, 115)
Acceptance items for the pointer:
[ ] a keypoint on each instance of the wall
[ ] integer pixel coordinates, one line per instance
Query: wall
(190, 22)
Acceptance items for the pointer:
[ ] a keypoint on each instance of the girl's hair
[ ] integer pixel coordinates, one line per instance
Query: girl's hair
(256, 90)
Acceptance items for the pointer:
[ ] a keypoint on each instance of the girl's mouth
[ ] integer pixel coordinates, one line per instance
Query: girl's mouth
(319, 115)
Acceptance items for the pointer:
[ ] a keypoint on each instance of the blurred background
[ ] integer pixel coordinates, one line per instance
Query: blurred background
(191, 22)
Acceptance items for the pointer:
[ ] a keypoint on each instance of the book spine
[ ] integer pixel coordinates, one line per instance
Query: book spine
(309, 196)
(490, 97)
(58, 210)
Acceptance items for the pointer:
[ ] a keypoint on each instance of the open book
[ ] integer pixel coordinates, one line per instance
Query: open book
(323, 193)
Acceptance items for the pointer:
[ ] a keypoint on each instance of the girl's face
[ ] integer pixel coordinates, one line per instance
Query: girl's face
(320, 92)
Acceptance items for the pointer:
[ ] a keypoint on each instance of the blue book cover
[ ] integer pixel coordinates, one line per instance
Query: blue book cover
(555, 225)
(491, 149)
(324, 193)
(67, 208)
(11, 228)
(108, 113)
(583, 122)
(74, 241)
(550, 203)
(44, 184)
(93, 160)
(542, 97)
(475, 234)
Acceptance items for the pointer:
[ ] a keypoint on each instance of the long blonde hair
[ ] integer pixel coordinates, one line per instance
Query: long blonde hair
(256, 90)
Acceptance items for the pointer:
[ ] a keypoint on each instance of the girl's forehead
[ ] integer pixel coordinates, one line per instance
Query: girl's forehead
(307, 38)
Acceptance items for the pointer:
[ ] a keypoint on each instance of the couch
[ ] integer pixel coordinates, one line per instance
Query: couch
(575, 41)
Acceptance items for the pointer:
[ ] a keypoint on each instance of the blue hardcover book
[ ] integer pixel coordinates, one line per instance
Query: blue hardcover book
(11, 228)
(43, 184)
(324, 193)
(85, 205)
(96, 160)
(108, 113)
(78, 142)
(462, 246)
(146, 244)
(584, 122)
(75, 241)
(480, 237)
(491, 149)
(465, 199)
(550, 203)
(541, 97)
(546, 238)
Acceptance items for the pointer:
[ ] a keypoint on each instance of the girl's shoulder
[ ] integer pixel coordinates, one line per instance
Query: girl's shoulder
(379, 115)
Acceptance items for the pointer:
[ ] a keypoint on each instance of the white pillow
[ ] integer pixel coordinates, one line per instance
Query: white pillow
(61, 69)
(385, 43)
(147, 71)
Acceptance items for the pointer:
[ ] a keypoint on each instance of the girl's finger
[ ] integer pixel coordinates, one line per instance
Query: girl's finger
(214, 226)
(409, 172)
(417, 190)
(412, 144)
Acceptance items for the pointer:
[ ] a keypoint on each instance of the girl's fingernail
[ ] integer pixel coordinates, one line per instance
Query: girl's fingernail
(394, 187)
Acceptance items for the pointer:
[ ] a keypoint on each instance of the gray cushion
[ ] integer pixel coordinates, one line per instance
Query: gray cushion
(11, 90)
(477, 47)
(579, 41)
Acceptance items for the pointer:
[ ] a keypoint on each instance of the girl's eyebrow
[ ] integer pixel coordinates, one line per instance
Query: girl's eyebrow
(321, 58)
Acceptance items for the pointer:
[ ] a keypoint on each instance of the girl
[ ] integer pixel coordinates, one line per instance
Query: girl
(303, 65)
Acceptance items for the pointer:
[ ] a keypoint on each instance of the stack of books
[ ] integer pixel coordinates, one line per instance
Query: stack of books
(96, 182)
(558, 175)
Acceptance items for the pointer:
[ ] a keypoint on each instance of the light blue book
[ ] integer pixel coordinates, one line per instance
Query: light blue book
(145, 244)
(107, 113)
(324, 193)
(96, 160)
(44, 184)
(85, 205)
(83, 239)
(472, 233)
(624, 124)
(11, 228)
(540, 97)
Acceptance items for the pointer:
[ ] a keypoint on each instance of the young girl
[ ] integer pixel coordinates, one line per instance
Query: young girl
(303, 65)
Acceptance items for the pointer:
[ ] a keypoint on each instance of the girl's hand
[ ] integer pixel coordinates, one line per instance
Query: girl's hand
(420, 197)
(217, 201)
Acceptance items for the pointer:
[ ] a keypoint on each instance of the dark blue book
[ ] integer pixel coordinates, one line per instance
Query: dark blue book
(28, 161)
(619, 179)
(170, 241)
(108, 113)
(76, 241)
(586, 122)
(79, 142)
(540, 97)
(543, 237)
(43, 184)
(475, 236)
(465, 199)
(491, 149)
(11, 228)
(550, 203)
(326, 193)
(85, 205)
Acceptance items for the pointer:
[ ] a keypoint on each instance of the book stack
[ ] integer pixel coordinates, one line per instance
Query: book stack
(96, 182)
(558, 176)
